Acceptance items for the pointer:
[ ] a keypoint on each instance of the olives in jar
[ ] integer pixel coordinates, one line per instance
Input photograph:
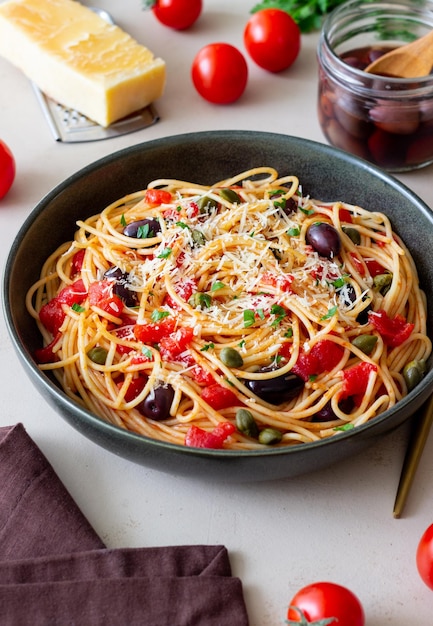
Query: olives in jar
(383, 119)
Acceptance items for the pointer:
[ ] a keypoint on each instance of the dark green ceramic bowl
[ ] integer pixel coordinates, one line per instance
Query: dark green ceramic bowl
(325, 173)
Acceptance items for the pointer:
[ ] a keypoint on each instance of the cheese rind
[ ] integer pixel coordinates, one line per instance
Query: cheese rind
(78, 59)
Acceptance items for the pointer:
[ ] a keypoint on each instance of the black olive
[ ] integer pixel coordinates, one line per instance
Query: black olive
(143, 229)
(349, 297)
(324, 238)
(326, 414)
(278, 389)
(121, 286)
(156, 405)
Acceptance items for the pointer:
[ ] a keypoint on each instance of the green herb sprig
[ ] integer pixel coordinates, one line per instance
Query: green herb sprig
(308, 14)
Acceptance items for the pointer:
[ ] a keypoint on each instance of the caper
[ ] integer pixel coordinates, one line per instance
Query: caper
(270, 436)
(413, 373)
(230, 195)
(365, 343)
(353, 234)
(198, 237)
(382, 283)
(205, 204)
(98, 354)
(246, 423)
(231, 357)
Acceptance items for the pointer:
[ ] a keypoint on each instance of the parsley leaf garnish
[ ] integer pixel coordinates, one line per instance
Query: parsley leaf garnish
(165, 253)
(158, 315)
(249, 318)
(308, 14)
(331, 312)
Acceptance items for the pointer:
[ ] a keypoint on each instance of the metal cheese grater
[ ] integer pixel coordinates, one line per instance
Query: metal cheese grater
(71, 126)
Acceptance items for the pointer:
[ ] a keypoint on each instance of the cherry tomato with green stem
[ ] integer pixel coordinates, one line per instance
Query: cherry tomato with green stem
(424, 557)
(272, 39)
(219, 73)
(325, 604)
(176, 14)
(7, 169)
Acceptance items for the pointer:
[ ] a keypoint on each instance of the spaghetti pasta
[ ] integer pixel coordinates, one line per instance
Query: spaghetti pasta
(235, 315)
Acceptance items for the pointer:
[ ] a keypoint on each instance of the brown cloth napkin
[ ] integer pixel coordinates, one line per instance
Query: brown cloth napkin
(55, 570)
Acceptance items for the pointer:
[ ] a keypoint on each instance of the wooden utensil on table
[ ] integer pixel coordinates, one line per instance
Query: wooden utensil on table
(412, 60)
(413, 455)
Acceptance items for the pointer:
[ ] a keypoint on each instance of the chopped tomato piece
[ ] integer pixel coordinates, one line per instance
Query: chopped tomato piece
(278, 280)
(184, 290)
(322, 357)
(46, 354)
(157, 196)
(198, 373)
(154, 331)
(192, 210)
(355, 381)
(199, 438)
(329, 354)
(219, 397)
(374, 267)
(52, 314)
(357, 263)
(306, 366)
(72, 294)
(346, 216)
(135, 387)
(173, 345)
(392, 330)
(77, 261)
(101, 295)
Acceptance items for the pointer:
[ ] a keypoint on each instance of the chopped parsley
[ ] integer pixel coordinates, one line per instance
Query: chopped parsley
(147, 352)
(294, 232)
(279, 312)
(165, 253)
(145, 232)
(78, 308)
(249, 318)
(217, 285)
(158, 315)
(207, 346)
(332, 311)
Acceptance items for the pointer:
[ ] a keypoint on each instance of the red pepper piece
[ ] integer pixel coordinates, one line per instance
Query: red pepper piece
(219, 397)
(199, 438)
(392, 330)
(355, 381)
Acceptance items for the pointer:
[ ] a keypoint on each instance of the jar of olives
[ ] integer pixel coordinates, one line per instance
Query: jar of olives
(385, 120)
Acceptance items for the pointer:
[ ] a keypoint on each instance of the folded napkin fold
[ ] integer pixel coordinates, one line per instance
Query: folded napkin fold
(55, 570)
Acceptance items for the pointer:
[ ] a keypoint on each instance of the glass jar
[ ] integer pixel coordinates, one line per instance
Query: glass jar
(388, 121)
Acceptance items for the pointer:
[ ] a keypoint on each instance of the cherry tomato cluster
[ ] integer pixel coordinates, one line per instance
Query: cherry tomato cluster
(219, 70)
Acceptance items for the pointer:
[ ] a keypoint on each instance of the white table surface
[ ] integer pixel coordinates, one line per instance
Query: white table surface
(332, 525)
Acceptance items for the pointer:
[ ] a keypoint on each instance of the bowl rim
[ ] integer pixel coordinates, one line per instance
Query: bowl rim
(415, 398)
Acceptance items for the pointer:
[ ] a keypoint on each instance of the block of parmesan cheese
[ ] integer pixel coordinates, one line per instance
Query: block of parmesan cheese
(75, 57)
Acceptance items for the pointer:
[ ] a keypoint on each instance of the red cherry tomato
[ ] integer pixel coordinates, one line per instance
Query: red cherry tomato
(220, 73)
(424, 557)
(7, 169)
(324, 601)
(177, 14)
(272, 39)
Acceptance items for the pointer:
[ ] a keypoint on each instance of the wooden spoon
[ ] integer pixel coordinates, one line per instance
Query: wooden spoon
(412, 60)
